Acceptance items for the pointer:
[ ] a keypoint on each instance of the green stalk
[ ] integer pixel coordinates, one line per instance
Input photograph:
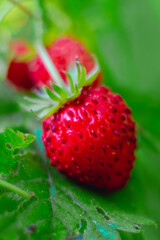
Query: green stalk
(13, 188)
(49, 65)
(24, 9)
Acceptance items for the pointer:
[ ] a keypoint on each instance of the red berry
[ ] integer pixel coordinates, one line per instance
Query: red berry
(63, 53)
(18, 71)
(92, 139)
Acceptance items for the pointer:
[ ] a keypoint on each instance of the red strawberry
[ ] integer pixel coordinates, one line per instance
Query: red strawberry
(18, 71)
(88, 133)
(63, 52)
(92, 139)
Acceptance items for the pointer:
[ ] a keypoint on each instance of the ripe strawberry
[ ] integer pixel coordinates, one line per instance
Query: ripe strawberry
(92, 139)
(62, 53)
(18, 71)
(88, 133)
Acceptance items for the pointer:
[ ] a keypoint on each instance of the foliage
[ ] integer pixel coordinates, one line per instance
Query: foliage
(9, 141)
(48, 214)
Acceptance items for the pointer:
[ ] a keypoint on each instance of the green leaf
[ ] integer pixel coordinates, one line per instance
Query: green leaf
(82, 78)
(10, 141)
(70, 81)
(23, 218)
(47, 111)
(59, 91)
(76, 89)
(52, 95)
(99, 213)
(49, 215)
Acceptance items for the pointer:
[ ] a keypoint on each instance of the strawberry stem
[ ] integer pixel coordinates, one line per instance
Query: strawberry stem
(49, 65)
(57, 96)
(13, 188)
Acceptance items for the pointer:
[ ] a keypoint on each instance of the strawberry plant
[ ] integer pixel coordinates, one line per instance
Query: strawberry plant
(104, 198)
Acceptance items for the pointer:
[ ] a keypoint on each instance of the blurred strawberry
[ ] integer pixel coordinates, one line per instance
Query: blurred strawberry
(18, 70)
(63, 53)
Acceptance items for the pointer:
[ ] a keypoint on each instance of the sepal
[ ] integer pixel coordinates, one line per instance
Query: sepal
(52, 98)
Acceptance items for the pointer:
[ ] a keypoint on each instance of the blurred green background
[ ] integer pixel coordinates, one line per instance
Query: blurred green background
(125, 36)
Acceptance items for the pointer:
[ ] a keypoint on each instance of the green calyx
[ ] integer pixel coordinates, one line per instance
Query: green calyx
(52, 98)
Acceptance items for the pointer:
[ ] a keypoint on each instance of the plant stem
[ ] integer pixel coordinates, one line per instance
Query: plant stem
(49, 65)
(13, 188)
(23, 8)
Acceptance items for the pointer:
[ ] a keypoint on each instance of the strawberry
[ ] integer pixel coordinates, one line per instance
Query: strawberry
(88, 133)
(92, 139)
(62, 53)
(18, 71)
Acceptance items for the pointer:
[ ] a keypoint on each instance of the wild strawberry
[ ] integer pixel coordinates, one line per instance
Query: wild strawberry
(63, 53)
(89, 134)
(18, 71)
(92, 139)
